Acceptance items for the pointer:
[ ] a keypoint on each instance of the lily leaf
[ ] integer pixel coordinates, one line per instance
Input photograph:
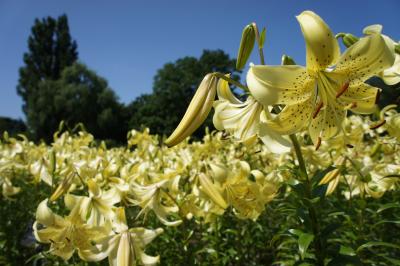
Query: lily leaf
(304, 242)
(388, 206)
(375, 244)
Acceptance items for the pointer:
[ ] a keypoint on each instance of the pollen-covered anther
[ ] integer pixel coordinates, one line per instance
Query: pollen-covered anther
(342, 90)
(318, 144)
(318, 109)
(378, 125)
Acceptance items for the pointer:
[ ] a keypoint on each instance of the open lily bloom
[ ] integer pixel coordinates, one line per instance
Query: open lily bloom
(125, 247)
(318, 96)
(150, 197)
(390, 76)
(64, 234)
(245, 120)
(97, 208)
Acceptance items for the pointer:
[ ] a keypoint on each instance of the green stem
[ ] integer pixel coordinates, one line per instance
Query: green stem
(319, 252)
(299, 156)
(260, 49)
(232, 81)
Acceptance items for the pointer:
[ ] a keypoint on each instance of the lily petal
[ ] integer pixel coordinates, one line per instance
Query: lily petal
(292, 118)
(327, 123)
(391, 76)
(125, 254)
(363, 96)
(145, 236)
(367, 57)
(279, 84)
(274, 141)
(241, 120)
(321, 45)
(44, 215)
(149, 260)
(101, 249)
(224, 92)
(373, 29)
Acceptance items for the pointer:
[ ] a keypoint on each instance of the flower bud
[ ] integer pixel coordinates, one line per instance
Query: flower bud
(212, 191)
(63, 187)
(246, 46)
(350, 39)
(197, 112)
(287, 60)
(397, 48)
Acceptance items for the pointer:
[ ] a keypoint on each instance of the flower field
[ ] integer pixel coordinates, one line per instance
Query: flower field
(294, 175)
(202, 205)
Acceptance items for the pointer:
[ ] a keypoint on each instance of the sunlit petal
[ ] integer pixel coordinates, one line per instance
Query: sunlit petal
(279, 84)
(321, 45)
(367, 57)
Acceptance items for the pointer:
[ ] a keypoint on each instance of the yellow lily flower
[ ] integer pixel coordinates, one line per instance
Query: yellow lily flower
(8, 189)
(151, 197)
(391, 75)
(125, 247)
(97, 208)
(318, 96)
(245, 120)
(64, 234)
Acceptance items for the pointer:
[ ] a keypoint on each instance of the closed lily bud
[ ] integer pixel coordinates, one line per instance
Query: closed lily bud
(348, 39)
(287, 60)
(211, 190)
(246, 46)
(397, 48)
(197, 112)
(63, 187)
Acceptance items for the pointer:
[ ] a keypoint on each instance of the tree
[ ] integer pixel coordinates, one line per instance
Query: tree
(79, 96)
(12, 126)
(173, 88)
(51, 50)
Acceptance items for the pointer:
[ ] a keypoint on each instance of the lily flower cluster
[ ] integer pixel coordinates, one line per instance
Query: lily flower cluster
(287, 99)
(109, 192)
(189, 181)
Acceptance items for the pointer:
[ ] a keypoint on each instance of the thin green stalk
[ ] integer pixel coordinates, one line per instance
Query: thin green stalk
(319, 252)
(232, 81)
(299, 156)
(260, 48)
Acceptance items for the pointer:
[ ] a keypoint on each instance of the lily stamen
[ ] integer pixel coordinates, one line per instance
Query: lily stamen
(319, 106)
(378, 125)
(318, 144)
(342, 90)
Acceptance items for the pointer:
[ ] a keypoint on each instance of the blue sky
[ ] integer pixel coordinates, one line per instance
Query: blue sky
(127, 41)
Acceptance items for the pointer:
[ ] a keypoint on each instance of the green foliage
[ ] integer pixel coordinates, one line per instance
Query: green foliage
(174, 86)
(12, 126)
(352, 233)
(79, 96)
(51, 49)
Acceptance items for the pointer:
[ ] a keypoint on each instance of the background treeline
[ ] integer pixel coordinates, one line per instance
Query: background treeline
(56, 86)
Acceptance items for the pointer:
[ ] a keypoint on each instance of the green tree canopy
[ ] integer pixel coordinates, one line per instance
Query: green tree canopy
(79, 96)
(174, 86)
(12, 126)
(50, 50)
